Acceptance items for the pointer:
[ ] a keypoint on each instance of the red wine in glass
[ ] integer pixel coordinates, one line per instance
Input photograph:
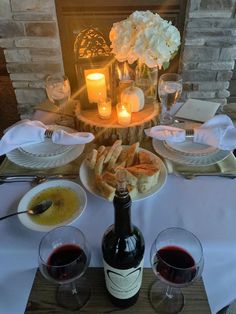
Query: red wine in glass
(175, 265)
(66, 262)
(177, 260)
(63, 257)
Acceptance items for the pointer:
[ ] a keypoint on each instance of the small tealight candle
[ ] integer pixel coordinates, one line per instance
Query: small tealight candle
(104, 109)
(123, 113)
(96, 87)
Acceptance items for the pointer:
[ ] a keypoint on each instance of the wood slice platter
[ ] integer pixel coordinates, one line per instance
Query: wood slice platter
(107, 131)
(42, 297)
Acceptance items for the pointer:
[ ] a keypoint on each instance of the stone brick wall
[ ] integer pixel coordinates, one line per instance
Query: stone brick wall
(209, 49)
(29, 34)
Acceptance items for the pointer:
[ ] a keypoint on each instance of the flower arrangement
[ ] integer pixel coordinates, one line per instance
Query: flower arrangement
(146, 37)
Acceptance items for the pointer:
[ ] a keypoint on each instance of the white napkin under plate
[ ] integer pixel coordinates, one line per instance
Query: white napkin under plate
(218, 132)
(27, 132)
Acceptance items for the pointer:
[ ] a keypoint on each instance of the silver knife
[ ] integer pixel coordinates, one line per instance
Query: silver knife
(36, 178)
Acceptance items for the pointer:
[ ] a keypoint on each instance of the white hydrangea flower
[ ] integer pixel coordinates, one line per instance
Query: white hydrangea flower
(146, 37)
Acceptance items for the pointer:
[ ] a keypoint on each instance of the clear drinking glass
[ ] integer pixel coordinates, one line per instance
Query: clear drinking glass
(169, 90)
(59, 92)
(63, 257)
(177, 260)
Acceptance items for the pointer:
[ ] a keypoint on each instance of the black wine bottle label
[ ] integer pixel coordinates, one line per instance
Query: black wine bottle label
(123, 283)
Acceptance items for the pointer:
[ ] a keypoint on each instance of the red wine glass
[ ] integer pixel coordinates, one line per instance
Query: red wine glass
(177, 261)
(63, 258)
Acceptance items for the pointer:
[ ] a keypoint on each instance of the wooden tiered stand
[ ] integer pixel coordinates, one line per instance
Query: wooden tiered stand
(107, 131)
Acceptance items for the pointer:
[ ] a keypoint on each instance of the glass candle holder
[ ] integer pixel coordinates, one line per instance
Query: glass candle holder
(123, 113)
(104, 108)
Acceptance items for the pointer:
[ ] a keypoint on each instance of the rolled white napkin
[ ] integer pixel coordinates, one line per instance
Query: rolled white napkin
(219, 132)
(27, 132)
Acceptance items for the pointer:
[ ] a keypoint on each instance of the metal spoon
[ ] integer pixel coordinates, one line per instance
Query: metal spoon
(35, 210)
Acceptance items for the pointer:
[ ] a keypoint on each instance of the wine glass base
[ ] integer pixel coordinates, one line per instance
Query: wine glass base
(75, 295)
(62, 120)
(166, 119)
(162, 303)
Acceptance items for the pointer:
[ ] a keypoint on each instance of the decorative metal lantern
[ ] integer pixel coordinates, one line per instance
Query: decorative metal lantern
(94, 65)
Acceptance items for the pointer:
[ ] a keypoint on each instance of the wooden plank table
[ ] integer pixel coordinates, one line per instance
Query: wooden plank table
(42, 297)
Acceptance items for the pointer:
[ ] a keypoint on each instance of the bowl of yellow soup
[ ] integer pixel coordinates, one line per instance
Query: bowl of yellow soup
(69, 201)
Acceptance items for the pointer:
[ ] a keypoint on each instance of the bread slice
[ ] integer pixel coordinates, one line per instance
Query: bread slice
(147, 175)
(98, 169)
(145, 157)
(101, 150)
(131, 154)
(111, 150)
(104, 188)
(109, 178)
(115, 155)
(91, 158)
(123, 154)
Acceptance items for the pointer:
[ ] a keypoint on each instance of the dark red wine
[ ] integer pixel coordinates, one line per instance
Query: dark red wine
(70, 260)
(123, 250)
(175, 264)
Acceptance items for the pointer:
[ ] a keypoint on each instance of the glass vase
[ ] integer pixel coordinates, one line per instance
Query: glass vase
(146, 78)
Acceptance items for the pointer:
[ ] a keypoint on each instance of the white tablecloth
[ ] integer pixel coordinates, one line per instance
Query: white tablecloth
(205, 206)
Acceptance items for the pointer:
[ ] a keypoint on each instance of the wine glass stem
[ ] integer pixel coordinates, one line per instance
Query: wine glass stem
(169, 292)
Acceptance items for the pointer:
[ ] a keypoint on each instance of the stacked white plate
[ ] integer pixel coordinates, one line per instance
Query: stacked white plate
(46, 154)
(189, 153)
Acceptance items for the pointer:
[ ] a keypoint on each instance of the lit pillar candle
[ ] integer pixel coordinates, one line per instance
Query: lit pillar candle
(123, 114)
(96, 87)
(104, 109)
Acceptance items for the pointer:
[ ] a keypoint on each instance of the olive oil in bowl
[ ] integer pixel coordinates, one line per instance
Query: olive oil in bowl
(65, 205)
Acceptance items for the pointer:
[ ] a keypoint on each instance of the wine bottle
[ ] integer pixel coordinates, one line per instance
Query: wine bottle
(123, 251)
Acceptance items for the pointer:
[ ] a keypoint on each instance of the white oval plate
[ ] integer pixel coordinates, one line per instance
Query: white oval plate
(87, 179)
(27, 161)
(202, 160)
(26, 199)
(48, 148)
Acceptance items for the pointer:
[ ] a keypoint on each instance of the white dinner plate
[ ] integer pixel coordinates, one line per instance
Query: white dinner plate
(48, 148)
(26, 199)
(178, 157)
(28, 161)
(87, 179)
(190, 148)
